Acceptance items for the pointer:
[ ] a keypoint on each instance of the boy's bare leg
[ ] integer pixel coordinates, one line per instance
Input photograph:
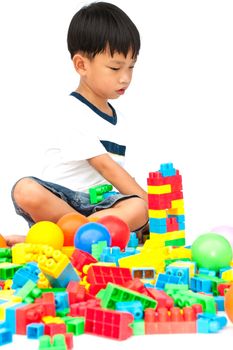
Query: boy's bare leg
(41, 204)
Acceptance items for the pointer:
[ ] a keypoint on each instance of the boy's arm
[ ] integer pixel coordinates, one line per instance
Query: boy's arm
(117, 176)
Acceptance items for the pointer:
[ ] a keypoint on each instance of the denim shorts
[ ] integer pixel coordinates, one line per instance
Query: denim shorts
(80, 201)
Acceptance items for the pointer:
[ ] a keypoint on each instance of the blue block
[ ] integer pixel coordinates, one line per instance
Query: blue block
(10, 317)
(208, 323)
(133, 307)
(167, 169)
(181, 272)
(164, 279)
(133, 240)
(67, 275)
(200, 285)
(61, 301)
(6, 336)
(30, 271)
(35, 330)
(220, 302)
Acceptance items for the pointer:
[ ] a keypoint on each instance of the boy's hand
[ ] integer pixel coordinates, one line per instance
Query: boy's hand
(13, 239)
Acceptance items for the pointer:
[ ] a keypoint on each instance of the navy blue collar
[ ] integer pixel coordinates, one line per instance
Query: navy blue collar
(111, 119)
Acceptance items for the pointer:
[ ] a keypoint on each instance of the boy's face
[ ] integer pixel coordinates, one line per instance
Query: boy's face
(109, 76)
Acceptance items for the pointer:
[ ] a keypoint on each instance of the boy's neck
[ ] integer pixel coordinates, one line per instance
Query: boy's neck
(98, 102)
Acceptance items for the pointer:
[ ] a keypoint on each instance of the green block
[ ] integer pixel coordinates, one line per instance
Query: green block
(114, 293)
(175, 242)
(97, 248)
(62, 313)
(96, 192)
(215, 281)
(7, 271)
(29, 292)
(76, 325)
(138, 327)
(53, 290)
(56, 343)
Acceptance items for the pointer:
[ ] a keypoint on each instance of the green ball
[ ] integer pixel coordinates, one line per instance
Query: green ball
(211, 251)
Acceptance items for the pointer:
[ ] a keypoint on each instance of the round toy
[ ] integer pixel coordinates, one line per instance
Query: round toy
(46, 232)
(89, 234)
(2, 242)
(69, 223)
(228, 303)
(225, 231)
(118, 229)
(211, 251)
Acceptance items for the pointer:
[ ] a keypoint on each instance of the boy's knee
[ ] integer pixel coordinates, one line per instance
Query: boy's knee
(25, 191)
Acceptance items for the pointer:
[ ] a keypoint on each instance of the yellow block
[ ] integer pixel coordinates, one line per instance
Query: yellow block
(176, 211)
(163, 237)
(179, 253)
(177, 203)
(227, 275)
(157, 214)
(68, 251)
(51, 319)
(53, 264)
(159, 189)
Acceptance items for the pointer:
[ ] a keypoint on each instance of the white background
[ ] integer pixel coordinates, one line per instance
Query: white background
(180, 101)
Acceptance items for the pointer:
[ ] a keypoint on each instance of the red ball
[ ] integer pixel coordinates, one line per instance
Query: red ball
(69, 223)
(118, 229)
(229, 303)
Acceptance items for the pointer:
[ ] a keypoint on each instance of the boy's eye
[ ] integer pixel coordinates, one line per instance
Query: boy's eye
(114, 68)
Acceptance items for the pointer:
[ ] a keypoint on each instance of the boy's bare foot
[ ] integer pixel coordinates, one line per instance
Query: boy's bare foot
(13, 239)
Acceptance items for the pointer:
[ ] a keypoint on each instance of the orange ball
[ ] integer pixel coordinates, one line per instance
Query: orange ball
(69, 223)
(229, 303)
(2, 242)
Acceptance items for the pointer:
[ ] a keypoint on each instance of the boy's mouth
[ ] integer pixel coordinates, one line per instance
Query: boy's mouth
(121, 91)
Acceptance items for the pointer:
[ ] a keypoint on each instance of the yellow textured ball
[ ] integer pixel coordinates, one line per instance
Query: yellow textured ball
(46, 232)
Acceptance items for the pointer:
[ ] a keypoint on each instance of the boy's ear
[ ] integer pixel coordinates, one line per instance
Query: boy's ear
(80, 63)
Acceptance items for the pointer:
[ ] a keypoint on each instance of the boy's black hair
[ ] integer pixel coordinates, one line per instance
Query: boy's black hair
(100, 25)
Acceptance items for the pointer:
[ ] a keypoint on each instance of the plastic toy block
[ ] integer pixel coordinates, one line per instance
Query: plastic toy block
(180, 253)
(133, 307)
(137, 285)
(10, 316)
(108, 323)
(138, 327)
(5, 255)
(180, 271)
(3, 307)
(61, 301)
(56, 343)
(23, 253)
(76, 292)
(169, 236)
(215, 281)
(157, 214)
(114, 254)
(176, 211)
(144, 273)
(167, 169)
(54, 328)
(23, 274)
(68, 250)
(53, 262)
(96, 193)
(47, 300)
(34, 330)
(114, 293)
(161, 297)
(227, 275)
(198, 284)
(80, 258)
(174, 321)
(188, 298)
(178, 202)
(29, 292)
(175, 242)
(133, 240)
(31, 313)
(76, 325)
(159, 189)
(51, 319)
(208, 323)
(98, 277)
(97, 249)
(219, 300)
(6, 336)
(164, 279)
(7, 270)
(223, 288)
(80, 308)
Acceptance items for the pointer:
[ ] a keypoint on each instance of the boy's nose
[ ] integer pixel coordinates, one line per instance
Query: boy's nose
(125, 78)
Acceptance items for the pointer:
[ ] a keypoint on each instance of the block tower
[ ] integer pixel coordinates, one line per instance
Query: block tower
(166, 206)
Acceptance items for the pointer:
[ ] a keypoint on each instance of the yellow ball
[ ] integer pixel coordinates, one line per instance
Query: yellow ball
(46, 232)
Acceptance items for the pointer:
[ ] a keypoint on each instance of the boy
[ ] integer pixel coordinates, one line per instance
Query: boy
(89, 144)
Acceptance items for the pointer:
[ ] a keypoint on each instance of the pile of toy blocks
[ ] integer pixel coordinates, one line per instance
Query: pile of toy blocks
(53, 295)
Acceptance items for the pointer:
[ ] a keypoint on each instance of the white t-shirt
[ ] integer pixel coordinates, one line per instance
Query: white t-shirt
(79, 132)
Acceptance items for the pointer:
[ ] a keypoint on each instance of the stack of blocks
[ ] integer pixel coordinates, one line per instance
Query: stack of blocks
(166, 206)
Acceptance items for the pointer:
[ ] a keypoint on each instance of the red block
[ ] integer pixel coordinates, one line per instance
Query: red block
(161, 297)
(54, 328)
(79, 258)
(48, 302)
(109, 323)
(99, 276)
(76, 292)
(31, 313)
